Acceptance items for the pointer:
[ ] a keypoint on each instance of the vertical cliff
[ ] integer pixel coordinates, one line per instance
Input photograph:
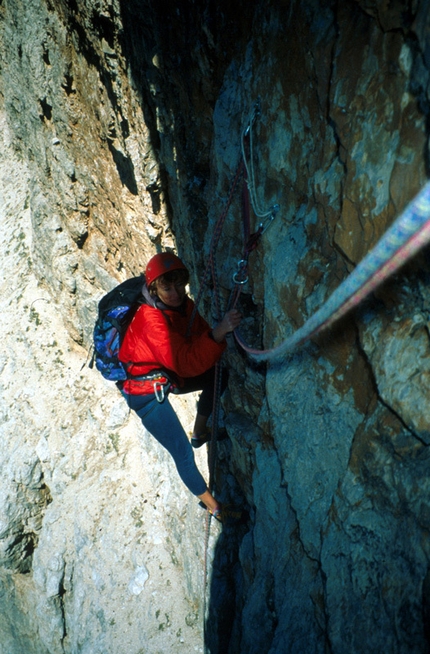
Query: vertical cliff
(121, 126)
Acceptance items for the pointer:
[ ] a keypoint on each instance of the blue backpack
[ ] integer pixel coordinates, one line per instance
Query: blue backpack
(115, 313)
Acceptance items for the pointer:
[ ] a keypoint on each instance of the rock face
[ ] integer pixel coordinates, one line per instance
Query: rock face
(121, 126)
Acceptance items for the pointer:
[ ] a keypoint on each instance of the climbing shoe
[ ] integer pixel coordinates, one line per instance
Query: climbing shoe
(202, 439)
(207, 436)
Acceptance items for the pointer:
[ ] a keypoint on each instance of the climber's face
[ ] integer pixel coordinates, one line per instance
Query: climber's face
(172, 294)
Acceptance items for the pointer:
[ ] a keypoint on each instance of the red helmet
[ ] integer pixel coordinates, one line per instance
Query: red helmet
(162, 263)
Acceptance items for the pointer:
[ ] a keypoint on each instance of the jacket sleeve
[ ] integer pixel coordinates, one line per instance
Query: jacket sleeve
(151, 332)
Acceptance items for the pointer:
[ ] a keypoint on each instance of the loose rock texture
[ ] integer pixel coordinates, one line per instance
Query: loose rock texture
(121, 126)
(100, 549)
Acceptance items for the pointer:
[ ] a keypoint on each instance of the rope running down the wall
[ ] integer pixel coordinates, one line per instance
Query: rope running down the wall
(407, 235)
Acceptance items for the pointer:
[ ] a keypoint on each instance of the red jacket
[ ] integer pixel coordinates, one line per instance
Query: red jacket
(156, 339)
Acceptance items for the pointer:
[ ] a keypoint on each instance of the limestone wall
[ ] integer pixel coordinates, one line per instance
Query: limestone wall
(121, 126)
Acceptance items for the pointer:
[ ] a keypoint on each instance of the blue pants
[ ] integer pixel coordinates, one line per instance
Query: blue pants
(163, 423)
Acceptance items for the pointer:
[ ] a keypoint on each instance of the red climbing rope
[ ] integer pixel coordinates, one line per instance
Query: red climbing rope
(211, 269)
(244, 168)
(210, 266)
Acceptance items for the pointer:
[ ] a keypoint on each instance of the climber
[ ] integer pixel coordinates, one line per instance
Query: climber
(157, 350)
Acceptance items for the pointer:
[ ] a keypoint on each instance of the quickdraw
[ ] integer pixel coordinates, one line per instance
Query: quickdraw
(249, 197)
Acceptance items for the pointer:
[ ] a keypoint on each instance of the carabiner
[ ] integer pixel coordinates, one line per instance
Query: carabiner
(256, 112)
(263, 226)
(159, 391)
(241, 269)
